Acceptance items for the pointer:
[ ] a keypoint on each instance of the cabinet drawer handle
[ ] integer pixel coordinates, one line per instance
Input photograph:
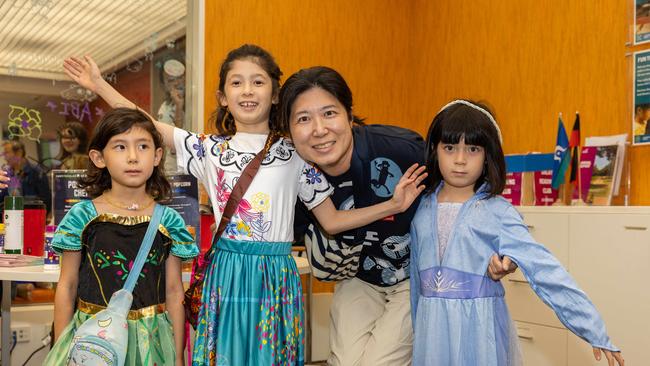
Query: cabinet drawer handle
(638, 228)
(524, 333)
(517, 281)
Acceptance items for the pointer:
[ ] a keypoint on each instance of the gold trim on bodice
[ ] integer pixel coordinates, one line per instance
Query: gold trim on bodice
(127, 221)
(145, 312)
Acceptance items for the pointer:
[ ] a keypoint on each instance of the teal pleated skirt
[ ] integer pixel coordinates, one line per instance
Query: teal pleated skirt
(252, 311)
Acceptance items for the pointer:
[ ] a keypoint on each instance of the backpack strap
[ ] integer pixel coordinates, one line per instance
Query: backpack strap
(131, 280)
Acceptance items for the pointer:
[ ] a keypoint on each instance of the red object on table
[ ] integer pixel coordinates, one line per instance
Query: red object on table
(34, 228)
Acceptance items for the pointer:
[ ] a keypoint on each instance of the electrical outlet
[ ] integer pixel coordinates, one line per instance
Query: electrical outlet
(22, 333)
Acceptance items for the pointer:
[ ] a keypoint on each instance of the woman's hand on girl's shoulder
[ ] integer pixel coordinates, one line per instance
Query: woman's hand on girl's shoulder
(612, 357)
(409, 187)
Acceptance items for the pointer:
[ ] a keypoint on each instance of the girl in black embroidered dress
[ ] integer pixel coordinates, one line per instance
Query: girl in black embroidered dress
(100, 238)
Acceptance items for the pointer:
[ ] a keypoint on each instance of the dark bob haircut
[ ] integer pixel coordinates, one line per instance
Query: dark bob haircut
(462, 121)
(221, 118)
(113, 123)
(314, 77)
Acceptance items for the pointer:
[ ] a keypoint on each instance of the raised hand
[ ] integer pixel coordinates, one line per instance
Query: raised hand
(409, 187)
(84, 72)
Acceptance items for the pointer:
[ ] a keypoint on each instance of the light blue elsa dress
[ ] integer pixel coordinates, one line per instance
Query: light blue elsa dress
(459, 314)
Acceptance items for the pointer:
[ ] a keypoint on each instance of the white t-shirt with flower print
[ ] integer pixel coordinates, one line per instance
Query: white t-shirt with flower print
(266, 211)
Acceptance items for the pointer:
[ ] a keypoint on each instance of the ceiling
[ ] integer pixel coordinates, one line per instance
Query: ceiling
(37, 35)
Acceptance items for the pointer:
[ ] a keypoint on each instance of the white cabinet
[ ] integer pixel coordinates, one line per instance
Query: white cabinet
(542, 345)
(607, 251)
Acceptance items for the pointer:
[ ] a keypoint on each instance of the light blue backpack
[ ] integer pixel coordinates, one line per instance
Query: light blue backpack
(102, 339)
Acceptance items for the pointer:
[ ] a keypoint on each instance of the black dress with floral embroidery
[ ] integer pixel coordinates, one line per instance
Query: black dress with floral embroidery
(109, 247)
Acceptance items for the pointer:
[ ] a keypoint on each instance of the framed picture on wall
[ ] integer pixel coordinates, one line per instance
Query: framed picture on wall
(641, 100)
(641, 21)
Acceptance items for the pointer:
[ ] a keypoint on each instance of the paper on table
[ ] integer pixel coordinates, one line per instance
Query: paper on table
(19, 260)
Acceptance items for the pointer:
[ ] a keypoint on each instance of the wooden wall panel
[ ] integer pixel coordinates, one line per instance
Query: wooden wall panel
(366, 41)
(530, 60)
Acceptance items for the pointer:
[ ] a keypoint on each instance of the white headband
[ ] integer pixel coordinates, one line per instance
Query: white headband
(472, 105)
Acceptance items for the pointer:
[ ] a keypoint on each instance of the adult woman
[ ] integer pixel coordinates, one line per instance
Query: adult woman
(74, 143)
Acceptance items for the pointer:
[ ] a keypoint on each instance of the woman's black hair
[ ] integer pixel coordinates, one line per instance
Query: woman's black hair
(221, 118)
(304, 80)
(113, 123)
(73, 129)
(462, 121)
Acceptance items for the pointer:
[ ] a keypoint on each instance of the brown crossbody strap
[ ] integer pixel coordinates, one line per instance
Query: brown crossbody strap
(240, 188)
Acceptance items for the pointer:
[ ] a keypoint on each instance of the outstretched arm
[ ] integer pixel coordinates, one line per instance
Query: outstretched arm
(85, 72)
(407, 190)
(554, 285)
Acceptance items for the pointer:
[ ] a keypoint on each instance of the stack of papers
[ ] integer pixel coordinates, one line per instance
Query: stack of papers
(19, 260)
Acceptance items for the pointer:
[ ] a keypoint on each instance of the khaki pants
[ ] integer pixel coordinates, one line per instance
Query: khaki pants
(370, 325)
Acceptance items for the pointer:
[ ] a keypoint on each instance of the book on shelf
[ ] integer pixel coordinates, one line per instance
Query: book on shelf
(600, 169)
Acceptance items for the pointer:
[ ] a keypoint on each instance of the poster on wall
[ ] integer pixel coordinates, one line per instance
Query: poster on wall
(641, 100)
(185, 199)
(66, 191)
(641, 21)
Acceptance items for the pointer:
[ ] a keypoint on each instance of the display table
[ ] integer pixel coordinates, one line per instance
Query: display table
(37, 274)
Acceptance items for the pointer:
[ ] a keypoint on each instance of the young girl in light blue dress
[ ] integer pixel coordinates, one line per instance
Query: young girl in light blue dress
(459, 314)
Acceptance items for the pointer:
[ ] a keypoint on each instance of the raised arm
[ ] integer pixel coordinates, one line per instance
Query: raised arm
(85, 72)
(407, 190)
